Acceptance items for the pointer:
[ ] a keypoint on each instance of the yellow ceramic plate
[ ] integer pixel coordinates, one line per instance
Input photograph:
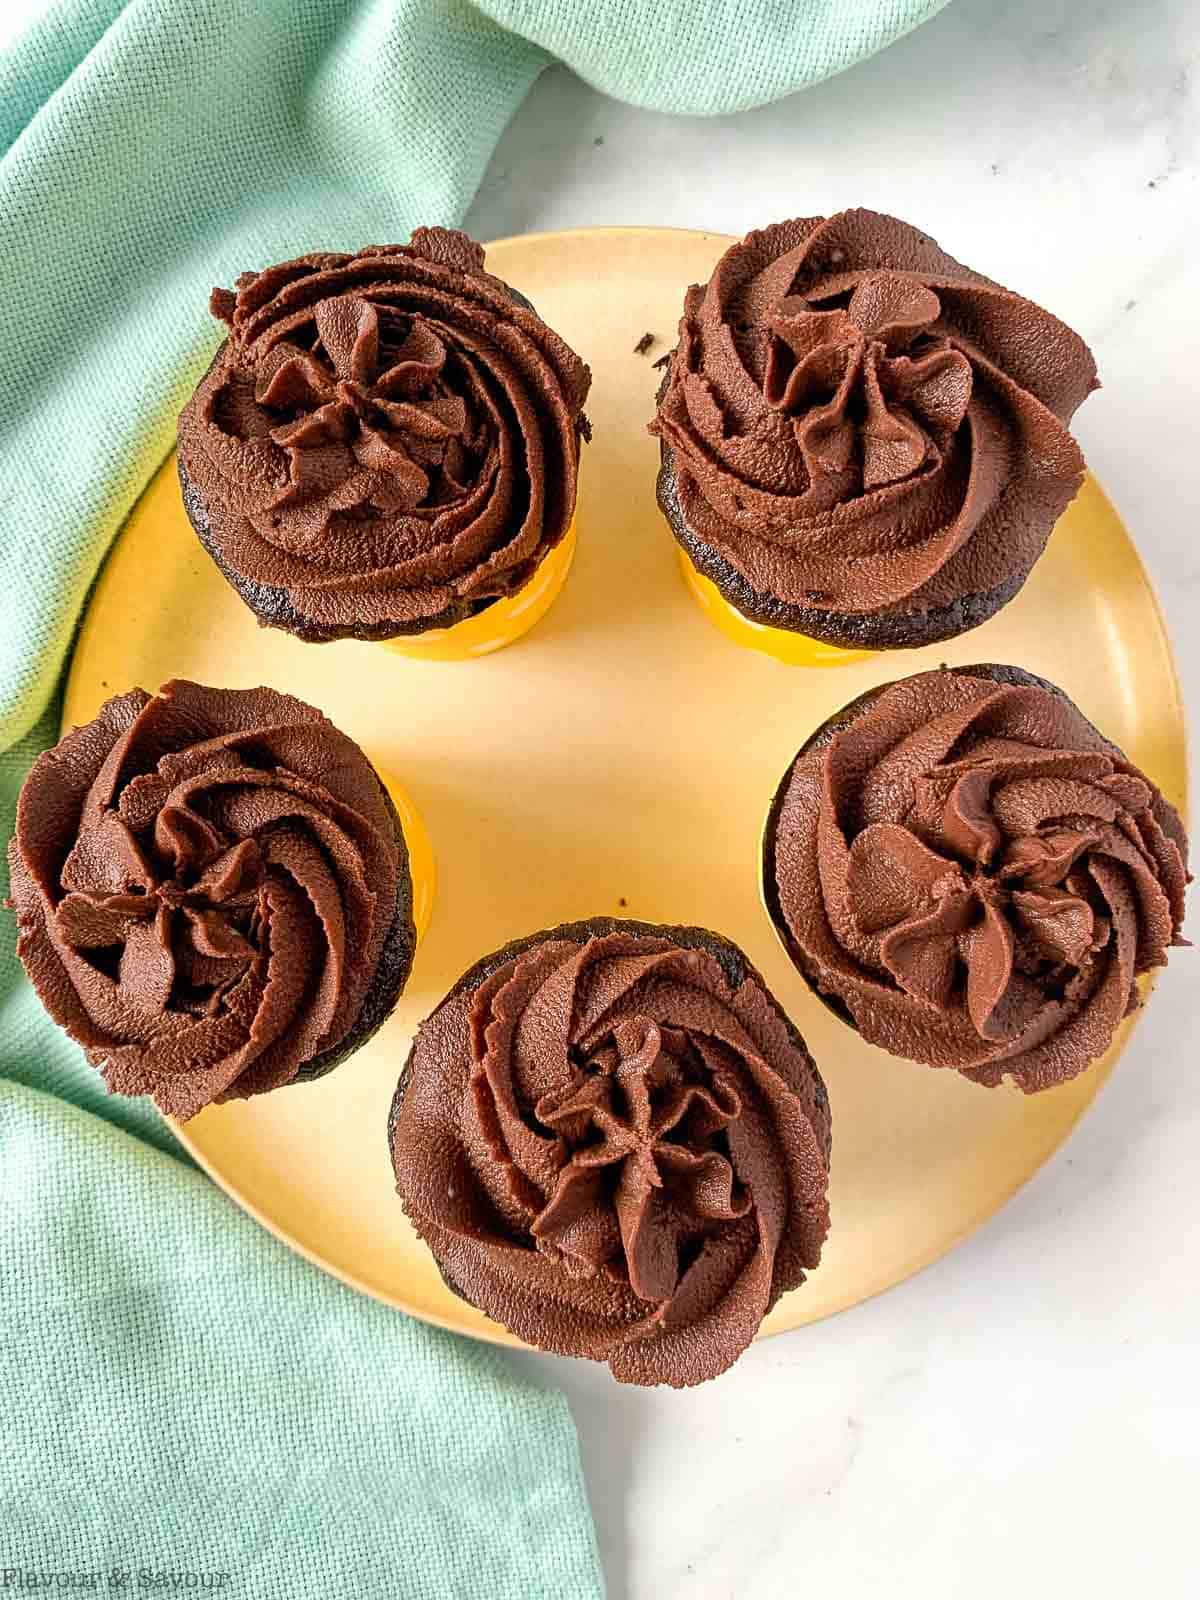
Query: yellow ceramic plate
(620, 758)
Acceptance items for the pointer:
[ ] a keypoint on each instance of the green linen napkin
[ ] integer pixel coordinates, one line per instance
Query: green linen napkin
(182, 1395)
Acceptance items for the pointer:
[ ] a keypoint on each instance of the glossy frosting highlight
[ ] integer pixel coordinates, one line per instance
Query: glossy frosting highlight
(210, 886)
(617, 1147)
(858, 424)
(385, 441)
(976, 875)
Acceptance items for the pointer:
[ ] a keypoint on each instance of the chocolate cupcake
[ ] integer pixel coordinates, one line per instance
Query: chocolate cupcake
(386, 445)
(864, 442)
(973, 876)
(212, 893)
(616, 1144)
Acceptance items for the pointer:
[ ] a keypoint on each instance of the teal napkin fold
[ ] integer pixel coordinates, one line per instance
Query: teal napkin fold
(183, 1395)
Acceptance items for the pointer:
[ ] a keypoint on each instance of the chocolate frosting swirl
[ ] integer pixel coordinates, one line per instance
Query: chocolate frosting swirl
(976, 875)
(617, 1146)
(208, 885)
(389, 438)
(859, 424)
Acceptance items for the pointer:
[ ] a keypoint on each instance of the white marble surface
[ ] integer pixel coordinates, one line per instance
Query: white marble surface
(1024, 1417)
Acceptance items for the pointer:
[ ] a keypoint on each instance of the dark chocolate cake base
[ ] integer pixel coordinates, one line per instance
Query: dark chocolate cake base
(879, 630)
(274, 609)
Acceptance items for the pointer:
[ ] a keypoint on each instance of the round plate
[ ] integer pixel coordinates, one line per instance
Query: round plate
(620, 759)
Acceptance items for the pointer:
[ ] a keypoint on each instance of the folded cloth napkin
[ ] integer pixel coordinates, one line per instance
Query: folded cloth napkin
(182, 1395)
